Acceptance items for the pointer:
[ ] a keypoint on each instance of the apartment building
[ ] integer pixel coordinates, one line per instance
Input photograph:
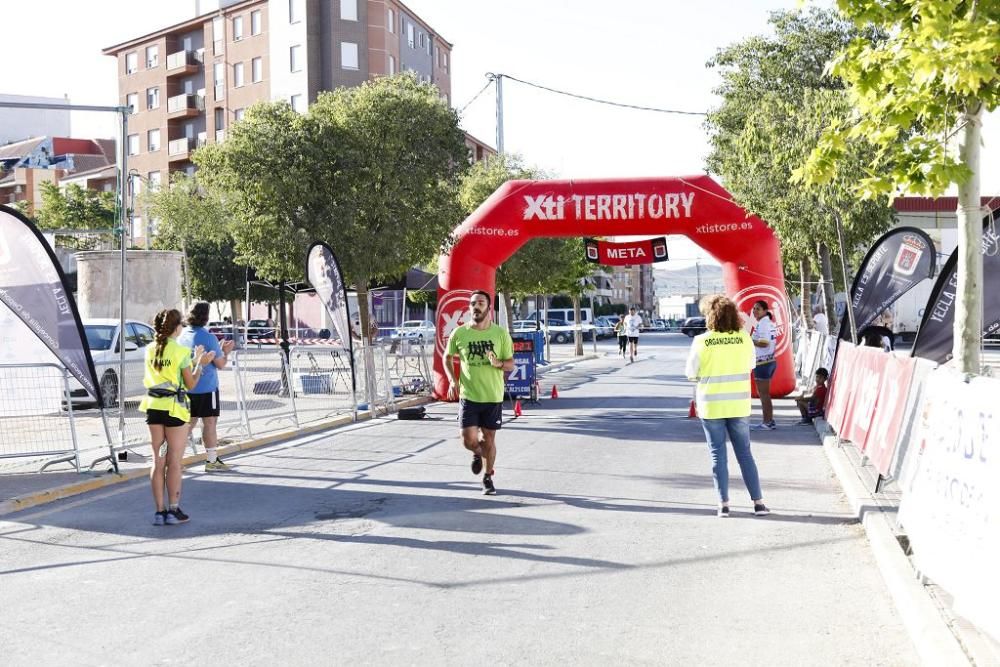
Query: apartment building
(26, 165)
(188, 83)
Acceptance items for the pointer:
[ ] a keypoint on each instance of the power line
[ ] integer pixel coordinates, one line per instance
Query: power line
(600, 101)
(475, 97)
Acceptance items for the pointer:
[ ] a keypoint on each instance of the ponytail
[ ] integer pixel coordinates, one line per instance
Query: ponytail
(165, 323)
(763, 304)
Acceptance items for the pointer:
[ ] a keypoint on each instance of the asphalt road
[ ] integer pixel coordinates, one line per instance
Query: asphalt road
(374, 545)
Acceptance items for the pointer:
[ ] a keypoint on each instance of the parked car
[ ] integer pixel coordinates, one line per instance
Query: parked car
(418, 330)
(525, 326)
(260, 329)
(605, 327)
(693, 326)
(102, 338)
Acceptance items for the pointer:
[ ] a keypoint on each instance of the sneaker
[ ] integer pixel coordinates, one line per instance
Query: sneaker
(770, 426)
(723, 512)
(760, 509)
(159, 518)
(477, 464)
(488, 488)
(169, 519)
(178, 515)
(217, 466)
(804, 422)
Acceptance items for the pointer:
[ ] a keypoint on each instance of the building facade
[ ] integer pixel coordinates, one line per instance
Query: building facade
(26, 165)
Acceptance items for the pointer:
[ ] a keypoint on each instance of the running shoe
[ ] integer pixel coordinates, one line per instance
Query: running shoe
(477, 464)
(159, 518)
(763, 427)
(723, 512)
(488, 488)
(760, 509)
(217, 466)
(178, 515)
(169, 519)
(805, 422)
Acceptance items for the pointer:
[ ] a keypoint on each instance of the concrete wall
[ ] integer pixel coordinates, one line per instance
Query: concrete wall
(154, 283)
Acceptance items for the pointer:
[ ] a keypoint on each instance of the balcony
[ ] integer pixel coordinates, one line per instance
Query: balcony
(181, 63)
(184, 106)
(180, 149)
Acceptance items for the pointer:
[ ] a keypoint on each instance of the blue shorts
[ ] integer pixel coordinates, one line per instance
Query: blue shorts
(765, 371)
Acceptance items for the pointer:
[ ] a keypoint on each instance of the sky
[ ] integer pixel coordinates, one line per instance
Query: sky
(640, 52)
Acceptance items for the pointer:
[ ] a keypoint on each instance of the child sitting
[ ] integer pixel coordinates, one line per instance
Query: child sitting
(812, 406)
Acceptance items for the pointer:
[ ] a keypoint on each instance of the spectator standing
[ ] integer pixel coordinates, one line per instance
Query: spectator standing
(170, 370)
(720, 362)
(205, 403)
(820, 322)
(764, 336)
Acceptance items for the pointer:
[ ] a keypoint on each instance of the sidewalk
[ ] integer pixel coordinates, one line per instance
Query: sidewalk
(21, 490)
(373, 544)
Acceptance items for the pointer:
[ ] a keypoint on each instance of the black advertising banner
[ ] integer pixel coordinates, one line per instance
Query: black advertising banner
(935, 337)
(323, 272)
(900, 259)
(33, 287)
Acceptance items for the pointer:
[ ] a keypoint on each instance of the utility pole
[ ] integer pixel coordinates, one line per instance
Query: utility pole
(499, 81)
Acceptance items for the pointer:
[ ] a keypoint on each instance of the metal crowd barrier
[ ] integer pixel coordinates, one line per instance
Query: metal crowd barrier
(36, 414)
(813, 350)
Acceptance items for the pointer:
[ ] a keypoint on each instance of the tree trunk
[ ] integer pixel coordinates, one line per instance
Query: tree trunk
(578, 326)
(968, 306)
(826, 267)
(805, 295)
(508, 306)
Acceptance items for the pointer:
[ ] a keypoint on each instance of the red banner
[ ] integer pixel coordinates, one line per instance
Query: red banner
(868, 367)
(624, 254)
(883, 435)
(841, 386)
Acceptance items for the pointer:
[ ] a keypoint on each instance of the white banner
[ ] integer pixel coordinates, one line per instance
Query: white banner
(951, 502)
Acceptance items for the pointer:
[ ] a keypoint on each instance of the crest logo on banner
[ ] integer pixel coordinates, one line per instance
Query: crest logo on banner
(909, 254)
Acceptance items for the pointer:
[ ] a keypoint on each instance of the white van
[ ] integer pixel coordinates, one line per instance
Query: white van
(569, 316)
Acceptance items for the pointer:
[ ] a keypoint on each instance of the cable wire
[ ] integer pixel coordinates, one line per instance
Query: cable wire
(476, 96)
(600, 101)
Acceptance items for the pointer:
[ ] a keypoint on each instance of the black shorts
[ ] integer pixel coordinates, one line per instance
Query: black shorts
(163, 418)
(484, 415)
(205, 405)
(633, 339)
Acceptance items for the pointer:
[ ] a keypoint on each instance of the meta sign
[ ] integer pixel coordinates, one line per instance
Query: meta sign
(624, 254)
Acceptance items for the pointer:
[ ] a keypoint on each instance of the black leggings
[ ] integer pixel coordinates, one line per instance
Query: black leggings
(622, 343)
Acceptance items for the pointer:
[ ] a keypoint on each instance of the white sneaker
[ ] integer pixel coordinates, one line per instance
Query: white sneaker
(763, 427)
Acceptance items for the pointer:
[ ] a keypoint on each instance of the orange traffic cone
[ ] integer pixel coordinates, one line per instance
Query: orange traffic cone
(517, 408)
(692, 410)
(555, 392)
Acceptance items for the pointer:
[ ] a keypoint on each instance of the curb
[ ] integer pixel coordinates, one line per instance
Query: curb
(933, 639)
(27, 501)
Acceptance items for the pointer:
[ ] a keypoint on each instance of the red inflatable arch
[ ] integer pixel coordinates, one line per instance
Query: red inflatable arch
(694, 206)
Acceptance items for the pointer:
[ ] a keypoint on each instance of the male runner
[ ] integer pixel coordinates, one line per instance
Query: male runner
(633, 322)
(485, 351)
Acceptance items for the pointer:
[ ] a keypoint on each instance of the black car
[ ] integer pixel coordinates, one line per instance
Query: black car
(693, 326)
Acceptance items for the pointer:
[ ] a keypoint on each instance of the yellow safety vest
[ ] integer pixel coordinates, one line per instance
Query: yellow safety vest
(724, 364)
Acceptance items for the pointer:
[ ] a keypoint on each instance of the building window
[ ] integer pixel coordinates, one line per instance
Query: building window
(255, 22)
(348, 55)
(154, 180)
(238, 114)
(445, 58)
(237, 28)
(131, 62)
(295, 58)
(153, 140)
(220, 119)
(218, 35)
(152, 98)
(132, 102)
(257, 69)
(390, 21)
(133, 144)
(409, 35)
(137, 230)
(294, 11)
(392, 65)
(219, 79)
(297, 104)
(152, 57)
(349, 10)
(237, 75)
(135, 185)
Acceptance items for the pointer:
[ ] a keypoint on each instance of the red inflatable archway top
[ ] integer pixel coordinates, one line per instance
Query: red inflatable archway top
(694, 206)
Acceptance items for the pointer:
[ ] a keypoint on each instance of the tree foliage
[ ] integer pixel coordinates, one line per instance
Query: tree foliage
(75, 208)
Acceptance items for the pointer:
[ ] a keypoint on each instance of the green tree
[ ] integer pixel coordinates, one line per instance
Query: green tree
(776, 99)
(75, 208)
(388, 158)
(197, 223)
(931, 79)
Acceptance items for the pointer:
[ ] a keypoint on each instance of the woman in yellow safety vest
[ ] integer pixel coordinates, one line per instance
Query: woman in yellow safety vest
(171, 370)
(720, 362)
